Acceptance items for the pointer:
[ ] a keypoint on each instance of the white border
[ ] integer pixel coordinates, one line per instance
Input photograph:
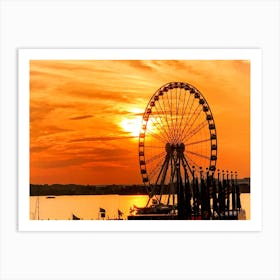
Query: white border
(254, 55)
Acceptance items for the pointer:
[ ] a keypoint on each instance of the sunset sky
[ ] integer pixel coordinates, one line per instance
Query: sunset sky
(85, 115)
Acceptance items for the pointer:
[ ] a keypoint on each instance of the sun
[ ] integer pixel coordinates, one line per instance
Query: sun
(132, 123)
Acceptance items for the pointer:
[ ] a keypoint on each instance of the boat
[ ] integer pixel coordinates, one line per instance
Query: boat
(154, 209)
(50, 197)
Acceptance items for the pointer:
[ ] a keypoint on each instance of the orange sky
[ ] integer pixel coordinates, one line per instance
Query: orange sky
(84, 115)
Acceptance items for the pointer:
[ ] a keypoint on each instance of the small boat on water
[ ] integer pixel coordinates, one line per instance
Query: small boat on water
(154, 209)
(50, 197)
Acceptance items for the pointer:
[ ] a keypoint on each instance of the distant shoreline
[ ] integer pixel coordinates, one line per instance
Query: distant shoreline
(72, 189)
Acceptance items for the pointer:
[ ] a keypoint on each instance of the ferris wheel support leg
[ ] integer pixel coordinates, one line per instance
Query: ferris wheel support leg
(182, 209)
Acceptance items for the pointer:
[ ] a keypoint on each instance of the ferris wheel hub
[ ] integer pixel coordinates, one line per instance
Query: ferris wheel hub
(170, 148)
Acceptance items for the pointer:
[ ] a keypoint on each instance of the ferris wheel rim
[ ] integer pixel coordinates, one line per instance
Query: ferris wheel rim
(148, 111)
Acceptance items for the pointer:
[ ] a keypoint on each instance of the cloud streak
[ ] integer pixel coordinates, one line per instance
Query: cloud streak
(80, 117)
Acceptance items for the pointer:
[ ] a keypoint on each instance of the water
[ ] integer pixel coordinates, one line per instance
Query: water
(87, 207)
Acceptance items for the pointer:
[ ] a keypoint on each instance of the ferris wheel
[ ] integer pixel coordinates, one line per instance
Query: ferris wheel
(177, 139)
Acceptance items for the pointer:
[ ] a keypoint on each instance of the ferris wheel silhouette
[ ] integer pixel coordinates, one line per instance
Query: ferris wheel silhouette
(177, 138)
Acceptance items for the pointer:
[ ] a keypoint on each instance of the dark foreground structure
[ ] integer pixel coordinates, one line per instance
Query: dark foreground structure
(204, 198)
(178, 152)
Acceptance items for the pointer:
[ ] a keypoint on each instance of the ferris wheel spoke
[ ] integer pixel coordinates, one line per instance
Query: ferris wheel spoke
(154, 172)
(155, 147)
(198, 142)
(161, 123)
(197, 154)
(170, 113)
(190, 116)
(178, 118)
(177, 103)
(190, 127)
(166, 118)
(154, 166)
(189, 112)
(151, 133)
(155, 157)
(184, 110)
(192, 133)
(155, 137)
(174, 110)
(176, 114)
(159, 132)
(162, 128)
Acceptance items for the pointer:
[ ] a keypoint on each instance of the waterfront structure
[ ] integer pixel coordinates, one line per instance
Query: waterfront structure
(178, 152)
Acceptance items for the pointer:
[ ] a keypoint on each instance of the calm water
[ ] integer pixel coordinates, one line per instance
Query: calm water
(87, 207)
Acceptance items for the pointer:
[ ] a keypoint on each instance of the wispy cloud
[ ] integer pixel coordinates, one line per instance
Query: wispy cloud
(80, 117)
